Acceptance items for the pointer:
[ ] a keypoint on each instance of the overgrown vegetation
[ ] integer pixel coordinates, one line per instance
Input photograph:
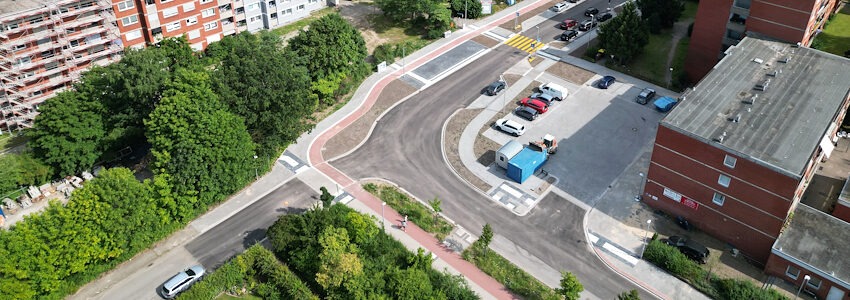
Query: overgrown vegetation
(390, 51)
(208, 121)
(433, 15)
(255, 272)
(669, 258)
(505, 272)
(417, 213)
(342, 254)
(835, 37)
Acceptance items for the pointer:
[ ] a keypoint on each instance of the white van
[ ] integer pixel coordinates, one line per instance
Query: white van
(558, 92)
(559, 7)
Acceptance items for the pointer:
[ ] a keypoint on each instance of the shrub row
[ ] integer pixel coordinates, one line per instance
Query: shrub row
(505, 272)
(417, 213)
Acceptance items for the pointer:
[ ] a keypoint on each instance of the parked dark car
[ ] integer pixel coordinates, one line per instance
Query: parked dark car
(586, 25)
(604, 17)
(495, 87)
(645, 96)
(606, 82)
(526, 112)
(546, 98)
(591, 11)
(693, 250)
(568, 24)
(569, 35)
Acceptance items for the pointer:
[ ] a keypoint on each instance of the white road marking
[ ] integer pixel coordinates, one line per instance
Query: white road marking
(622, 254)
(511, 191)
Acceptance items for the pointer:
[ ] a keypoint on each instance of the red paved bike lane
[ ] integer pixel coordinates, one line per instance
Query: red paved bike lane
(315, 158)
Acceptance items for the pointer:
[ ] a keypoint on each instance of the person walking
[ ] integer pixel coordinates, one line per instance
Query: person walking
(404, 224)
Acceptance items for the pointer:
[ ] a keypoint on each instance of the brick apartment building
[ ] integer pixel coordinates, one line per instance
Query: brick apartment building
(45, 45)
(722, 23)
(735, 156)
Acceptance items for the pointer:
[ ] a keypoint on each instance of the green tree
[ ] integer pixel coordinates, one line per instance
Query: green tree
(660, 13)
(630, 295)
(264, 85)
(339, 267)
(570, 287)
(325, 197)
(436, 206)
(412, 283)
(399, 10)
(68, 133)
(624, 36)
(471, 7)
(486, 237)
(439, 20)
(205, 148)
(19, 170)
(331, 46)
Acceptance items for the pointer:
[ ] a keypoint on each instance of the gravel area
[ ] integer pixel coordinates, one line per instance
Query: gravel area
(486, 41)
(355, 133)
(451, 140)
(570, 73)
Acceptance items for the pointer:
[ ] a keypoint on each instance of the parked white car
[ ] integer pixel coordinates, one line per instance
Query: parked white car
(510, 127)
(558, 92)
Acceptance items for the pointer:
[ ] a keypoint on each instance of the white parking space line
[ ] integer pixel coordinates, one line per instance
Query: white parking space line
(593, 238)
(620, 253)
(511, 191)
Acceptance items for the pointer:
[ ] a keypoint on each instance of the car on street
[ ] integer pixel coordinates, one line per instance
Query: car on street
(495, 87)
(604, 17)
(568, 24)
(182, 281)
(569, 35)
(560, 6)
(586, 25)
(537, 105)
(606, 82)
(591, 11)
(546, 98)
(665, 104)
(690, 248)
(510, 127)
(526, 112)
(645, 96)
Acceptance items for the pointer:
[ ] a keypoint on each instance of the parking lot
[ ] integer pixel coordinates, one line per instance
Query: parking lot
(599, 133)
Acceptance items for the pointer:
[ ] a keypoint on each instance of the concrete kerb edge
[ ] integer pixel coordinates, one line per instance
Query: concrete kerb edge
(387, 181)
(372, 127)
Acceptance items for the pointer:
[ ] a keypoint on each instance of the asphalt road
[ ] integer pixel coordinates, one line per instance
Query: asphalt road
(549, 30)
(248, 226)
(405, 147)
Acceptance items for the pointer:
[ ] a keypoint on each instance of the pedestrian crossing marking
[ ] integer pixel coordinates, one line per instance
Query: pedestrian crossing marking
(523, 43)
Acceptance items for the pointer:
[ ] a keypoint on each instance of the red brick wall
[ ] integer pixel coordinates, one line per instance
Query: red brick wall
(707, 37)
(841, 212)
(182, 15)
(776, 266)
(782, 19)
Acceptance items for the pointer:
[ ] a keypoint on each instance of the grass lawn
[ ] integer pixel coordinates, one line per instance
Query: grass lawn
(690, 10)
(224, 296)
(835, 37)
(652, 64)
(505, 272)
(303, 22)
(419, 214)
(679, 63)
(11, 140)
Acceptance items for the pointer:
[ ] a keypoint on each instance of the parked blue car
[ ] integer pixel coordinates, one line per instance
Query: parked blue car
(665, 104)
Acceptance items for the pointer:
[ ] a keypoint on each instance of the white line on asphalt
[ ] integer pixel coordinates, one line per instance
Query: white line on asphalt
(619, 252)
(593, 238)
(495, 36)
(497, 197)
(301, 169)
(288, 160)
(417, 77)
(511, 191)
(346, 199)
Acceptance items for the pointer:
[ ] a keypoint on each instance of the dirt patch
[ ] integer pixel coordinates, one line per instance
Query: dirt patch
(485, 40)
(536, 61)
(509, 25)
(355, 133)
(454, 128)
(358, 14)
(570, 73)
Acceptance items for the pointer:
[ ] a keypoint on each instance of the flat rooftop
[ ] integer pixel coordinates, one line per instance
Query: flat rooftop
(10, 8)
(771, 102)
(819, 240)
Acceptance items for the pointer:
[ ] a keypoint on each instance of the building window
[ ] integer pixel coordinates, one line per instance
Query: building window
(274, 16)
(792, 272)
(672, 195)
(205, 1)
(194, 34)
(814, 282)
(130, 20)
(313, 1)
(211, 25)
(255, 19)
(253, 6)
(189, 7)
(164, 1)
(724, 180)
(19, 47)
(301, 7)
(173, 26)
(271, 4)
(169, 12)
(718, 199)
(24, 60)
(132, 35)
(36, 93)
(287, 11)
(122, 6)
(730, 161)
(191, 21)
(208, 12)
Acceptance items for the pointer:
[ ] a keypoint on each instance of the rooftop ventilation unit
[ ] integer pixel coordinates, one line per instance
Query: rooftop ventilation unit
(785, 60)
(762, 86)
(758, 60)
(720, 138)
(751, 100)
(772, 73)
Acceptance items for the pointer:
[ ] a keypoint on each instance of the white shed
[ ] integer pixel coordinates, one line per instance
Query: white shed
(508, 151)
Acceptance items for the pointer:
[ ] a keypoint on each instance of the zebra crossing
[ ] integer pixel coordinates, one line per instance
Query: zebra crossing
(523, 43)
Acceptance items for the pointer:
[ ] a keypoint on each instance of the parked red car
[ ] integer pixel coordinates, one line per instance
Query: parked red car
(537, 105)
(568, 24)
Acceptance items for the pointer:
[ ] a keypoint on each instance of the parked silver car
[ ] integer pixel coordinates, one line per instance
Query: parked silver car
(182, 281)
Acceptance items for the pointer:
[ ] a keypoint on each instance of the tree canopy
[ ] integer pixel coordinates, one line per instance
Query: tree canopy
(19, 170)
(471, 7)
(625, 35)
(660, 14)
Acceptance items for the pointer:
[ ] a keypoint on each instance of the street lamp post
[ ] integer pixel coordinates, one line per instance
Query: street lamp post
(465, 5)
(805, 281)
(538, 33)
(516, 20)
(669, 84)
(256, 172)
(645, 241)
(502, 78)
(383, 227)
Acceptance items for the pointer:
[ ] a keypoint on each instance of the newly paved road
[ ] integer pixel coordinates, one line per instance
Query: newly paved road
(405, 148)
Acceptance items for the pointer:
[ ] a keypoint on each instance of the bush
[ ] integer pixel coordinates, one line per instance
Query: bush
(418, 213)
(505, 272)
(390, 51)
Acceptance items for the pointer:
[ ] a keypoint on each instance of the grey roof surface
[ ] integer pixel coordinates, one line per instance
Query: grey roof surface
(786, 122)
(12, 7)
(819, 240)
